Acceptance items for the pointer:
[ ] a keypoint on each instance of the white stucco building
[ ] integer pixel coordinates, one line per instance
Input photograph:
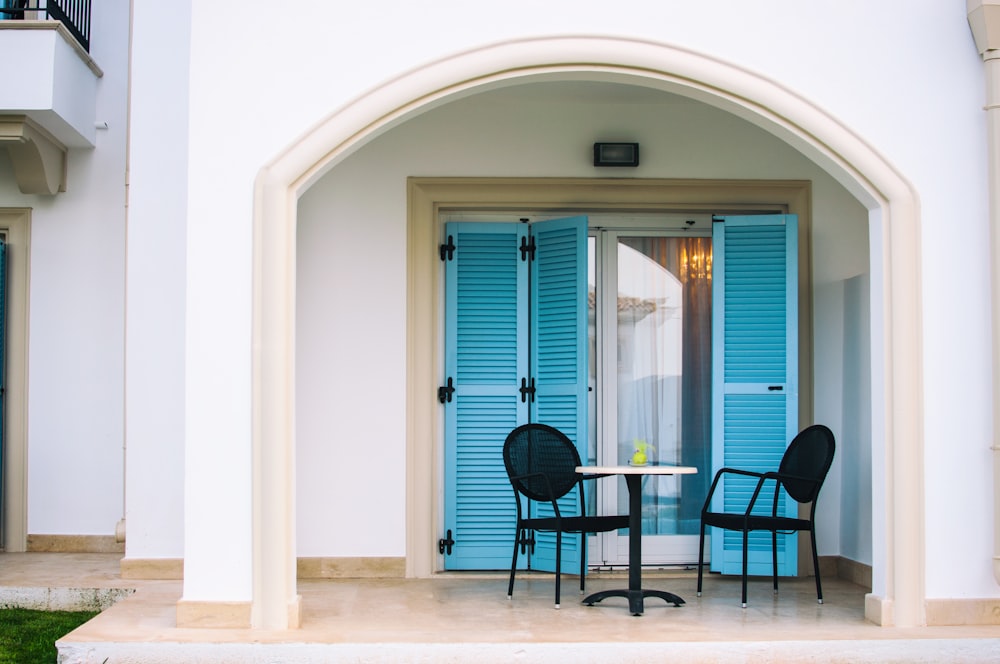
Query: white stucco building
(224, 290)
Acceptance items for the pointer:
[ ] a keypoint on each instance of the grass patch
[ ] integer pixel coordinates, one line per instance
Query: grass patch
(28, 636)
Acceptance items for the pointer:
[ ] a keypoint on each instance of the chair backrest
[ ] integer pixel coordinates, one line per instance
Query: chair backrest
(809, 455)
(539, 448)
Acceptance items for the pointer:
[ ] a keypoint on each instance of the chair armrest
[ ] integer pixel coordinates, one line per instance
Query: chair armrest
(718, 476)
(740, 471)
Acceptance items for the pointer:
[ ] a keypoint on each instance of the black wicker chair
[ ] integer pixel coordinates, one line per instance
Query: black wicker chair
(541, 463)
(802, 471)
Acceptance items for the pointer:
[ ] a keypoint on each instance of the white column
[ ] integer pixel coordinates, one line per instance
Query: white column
(218, 450)
(154, 309)
(275, 599)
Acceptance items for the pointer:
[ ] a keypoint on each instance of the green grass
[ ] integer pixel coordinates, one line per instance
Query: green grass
(29, 637)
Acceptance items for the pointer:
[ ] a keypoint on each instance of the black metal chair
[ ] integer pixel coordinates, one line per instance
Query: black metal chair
(541, 463)
(801, 473)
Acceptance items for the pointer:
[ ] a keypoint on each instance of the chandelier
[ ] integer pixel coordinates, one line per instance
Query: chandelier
(696, 259)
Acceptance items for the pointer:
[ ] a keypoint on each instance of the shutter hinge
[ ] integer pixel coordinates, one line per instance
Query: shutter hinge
(447, 251)
(527, 247)
(445, 392)
(527, 389)
(445, 544)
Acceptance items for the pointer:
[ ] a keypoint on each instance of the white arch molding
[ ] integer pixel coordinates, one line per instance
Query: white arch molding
(898, 512)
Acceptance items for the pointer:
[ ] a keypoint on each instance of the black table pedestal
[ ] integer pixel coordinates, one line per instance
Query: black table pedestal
(635, 593)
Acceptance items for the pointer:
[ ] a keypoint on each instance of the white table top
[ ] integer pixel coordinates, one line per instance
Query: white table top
(648, 469)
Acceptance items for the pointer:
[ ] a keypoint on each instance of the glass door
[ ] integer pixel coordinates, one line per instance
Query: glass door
(650, 299)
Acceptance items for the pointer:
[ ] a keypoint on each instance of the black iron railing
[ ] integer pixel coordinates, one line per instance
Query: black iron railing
(73, 14)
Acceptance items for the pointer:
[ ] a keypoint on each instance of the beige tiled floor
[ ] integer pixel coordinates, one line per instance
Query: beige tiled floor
(468, 618)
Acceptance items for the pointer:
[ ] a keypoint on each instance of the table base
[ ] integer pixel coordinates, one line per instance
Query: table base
(633, 481)
(635, 598)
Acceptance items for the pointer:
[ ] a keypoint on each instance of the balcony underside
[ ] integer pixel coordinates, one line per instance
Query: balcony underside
(39, 160)
(48, 101)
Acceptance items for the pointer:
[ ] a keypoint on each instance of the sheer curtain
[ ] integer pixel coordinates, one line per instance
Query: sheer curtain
(664, 371)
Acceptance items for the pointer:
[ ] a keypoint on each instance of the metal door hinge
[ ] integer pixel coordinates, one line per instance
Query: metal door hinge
(527, 248)
(445, 392)
(447, 250)
(527, 389)
(445, 544)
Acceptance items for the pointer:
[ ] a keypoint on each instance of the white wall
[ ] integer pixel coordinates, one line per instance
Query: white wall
(76, 313)
(157, 281)
(352, 290)
(904, 75)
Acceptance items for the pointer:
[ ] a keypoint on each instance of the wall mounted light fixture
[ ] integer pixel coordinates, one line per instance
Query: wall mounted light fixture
(616, 154)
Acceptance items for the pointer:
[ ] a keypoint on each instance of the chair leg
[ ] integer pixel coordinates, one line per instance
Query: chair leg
(819, 587)
(558, 563)
(513, 564)
(701, 555)
(746, 536)
(774, 559)
(583, 561)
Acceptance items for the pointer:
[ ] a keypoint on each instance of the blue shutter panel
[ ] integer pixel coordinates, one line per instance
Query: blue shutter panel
(486, 322)
(559, 326)
(754, 373)
(492, 342)
(559, 356)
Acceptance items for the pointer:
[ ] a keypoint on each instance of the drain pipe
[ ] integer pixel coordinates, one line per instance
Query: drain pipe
(984, 19)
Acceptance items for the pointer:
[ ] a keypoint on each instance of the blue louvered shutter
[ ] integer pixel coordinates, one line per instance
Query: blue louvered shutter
(486, 329)
(754, 374)
(558, 353)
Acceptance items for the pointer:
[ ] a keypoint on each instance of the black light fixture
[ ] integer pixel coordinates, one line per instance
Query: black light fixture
(616, 154)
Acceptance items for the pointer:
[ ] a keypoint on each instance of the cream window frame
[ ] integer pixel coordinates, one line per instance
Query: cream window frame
(15, 223)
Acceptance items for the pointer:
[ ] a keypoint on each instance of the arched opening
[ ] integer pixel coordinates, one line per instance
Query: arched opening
(897, 511)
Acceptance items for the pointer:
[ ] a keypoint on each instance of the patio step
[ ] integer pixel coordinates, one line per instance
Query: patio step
(914, 651)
